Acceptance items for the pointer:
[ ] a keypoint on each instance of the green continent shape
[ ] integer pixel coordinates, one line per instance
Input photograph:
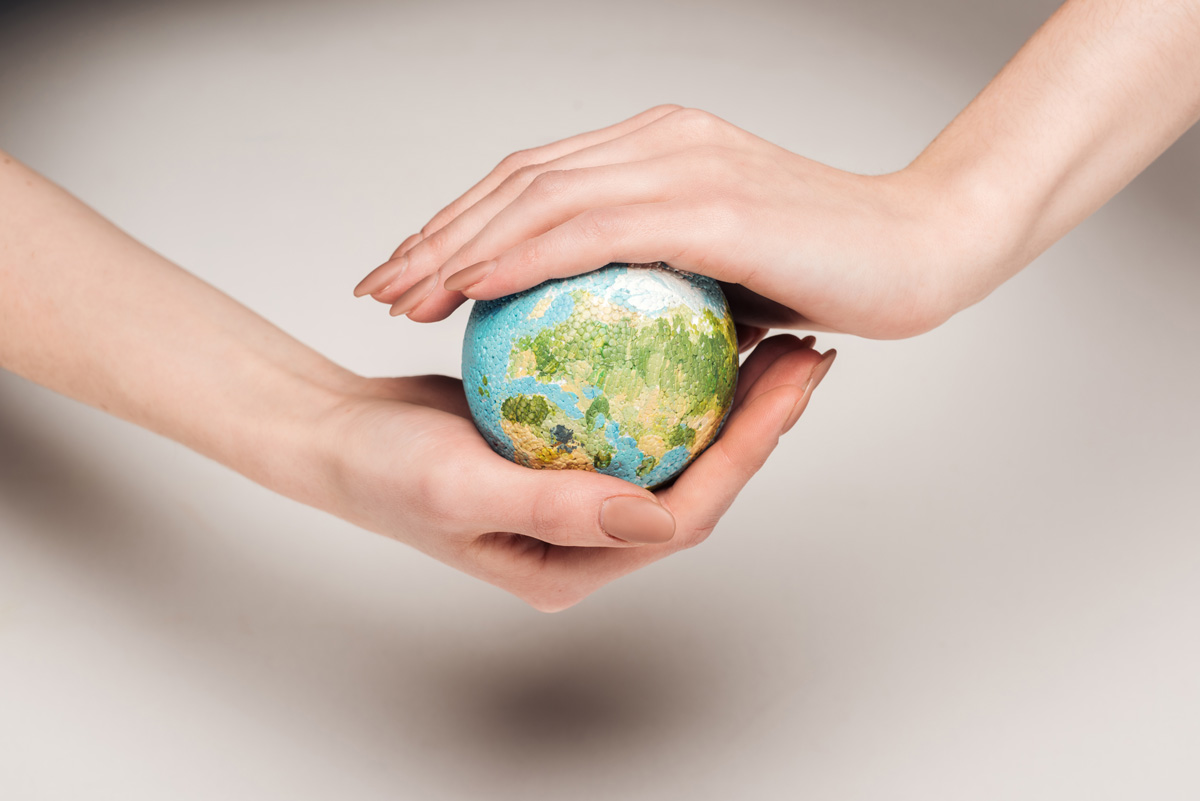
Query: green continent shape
(660, 376)
(531, 410)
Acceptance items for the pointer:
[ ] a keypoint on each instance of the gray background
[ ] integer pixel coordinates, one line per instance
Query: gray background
(970, 572)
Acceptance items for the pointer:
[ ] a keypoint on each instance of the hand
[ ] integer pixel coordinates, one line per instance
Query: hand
(1055, 134)
(406, 461)
(797, 243)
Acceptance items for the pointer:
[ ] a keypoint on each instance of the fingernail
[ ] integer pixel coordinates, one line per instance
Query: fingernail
(380, 277)
(416, 293)
(469, 276)
(808, 341)
(636, 520)
(814, 379)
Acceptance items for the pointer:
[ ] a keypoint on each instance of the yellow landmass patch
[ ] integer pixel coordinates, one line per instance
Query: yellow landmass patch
(541, 308)
(647, 408)
(532, 450)
(653, 445)
(523, 364)
(705, 426)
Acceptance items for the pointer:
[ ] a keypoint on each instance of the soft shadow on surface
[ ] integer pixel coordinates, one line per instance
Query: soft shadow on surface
(445, 692)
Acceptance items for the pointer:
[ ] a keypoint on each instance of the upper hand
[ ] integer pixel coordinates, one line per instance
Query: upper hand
(797, 243)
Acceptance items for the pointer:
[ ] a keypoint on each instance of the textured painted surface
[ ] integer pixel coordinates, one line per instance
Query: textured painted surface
(628, 370)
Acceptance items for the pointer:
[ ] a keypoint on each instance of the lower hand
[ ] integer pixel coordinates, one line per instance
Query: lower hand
(406, 461)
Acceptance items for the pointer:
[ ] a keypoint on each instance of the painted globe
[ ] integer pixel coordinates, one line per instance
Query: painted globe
(629, 370)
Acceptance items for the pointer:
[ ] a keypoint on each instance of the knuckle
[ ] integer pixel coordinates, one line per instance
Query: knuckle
(519, 179)
(550, 184)
(530, 254)
(514, 161)
(432, 246)
(546, 514)
(597, 224)
(697, 124)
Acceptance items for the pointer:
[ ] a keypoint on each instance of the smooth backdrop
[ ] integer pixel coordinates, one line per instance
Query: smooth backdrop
(971, 572)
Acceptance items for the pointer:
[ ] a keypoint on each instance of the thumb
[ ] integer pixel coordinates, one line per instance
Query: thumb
(574, 507)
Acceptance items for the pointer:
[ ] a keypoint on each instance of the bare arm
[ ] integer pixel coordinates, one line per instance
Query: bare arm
(1101, 90)
(88, 312)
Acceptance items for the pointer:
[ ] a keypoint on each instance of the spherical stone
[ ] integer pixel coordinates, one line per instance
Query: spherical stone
(629, 370)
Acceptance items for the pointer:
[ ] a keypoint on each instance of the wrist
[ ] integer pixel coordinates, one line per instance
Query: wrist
(975, 232)
(281, 435)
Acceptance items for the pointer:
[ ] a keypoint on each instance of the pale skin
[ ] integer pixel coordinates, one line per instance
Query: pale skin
(1094, 96)
(89, 312)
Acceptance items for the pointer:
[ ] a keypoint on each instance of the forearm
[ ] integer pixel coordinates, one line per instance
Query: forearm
(88, 312)
(1094, 96)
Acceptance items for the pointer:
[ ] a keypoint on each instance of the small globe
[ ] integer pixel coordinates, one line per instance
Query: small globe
(629, 370)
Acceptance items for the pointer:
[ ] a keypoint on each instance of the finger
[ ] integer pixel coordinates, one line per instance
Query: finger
(557, 196)
(381, 277)
(568, 507)
(407, 245)
(582, 244)
(539, 155)
(674, 131)
(439, 305)
(675, 232)
(497, 188)
(619, 185)
(783, 372)
(671, 134)
(636, 234)
(704, 492)
(552, 578)
(766, 354)
(785, 364)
